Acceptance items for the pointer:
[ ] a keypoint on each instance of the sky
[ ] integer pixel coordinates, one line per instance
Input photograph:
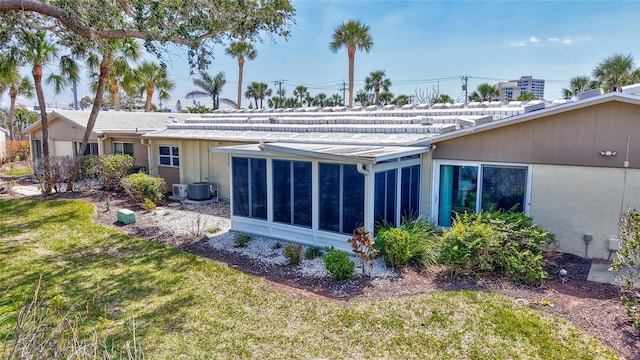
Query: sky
(423, 46)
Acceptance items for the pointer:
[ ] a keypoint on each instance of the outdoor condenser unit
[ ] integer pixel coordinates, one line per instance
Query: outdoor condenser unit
(180, 190)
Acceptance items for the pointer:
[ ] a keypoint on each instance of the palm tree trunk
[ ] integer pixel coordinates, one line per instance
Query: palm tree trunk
(352, 56)
(240, 71)
(105, 71)
(13, 93)
(37, 81)
(256, 99)
(115, 93)
(147, 104)
(377, 95)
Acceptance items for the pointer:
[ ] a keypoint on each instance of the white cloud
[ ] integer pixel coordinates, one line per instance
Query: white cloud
(567, 40)
(553, 39)
(533, 39)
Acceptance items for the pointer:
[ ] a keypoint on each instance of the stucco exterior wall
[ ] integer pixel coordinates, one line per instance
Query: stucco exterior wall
(571, 201)
(197, 163)
(140, 151)
(3, 144)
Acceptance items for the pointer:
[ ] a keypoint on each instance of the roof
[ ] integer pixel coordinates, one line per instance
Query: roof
(557, 109)
(367, 153)
(117, 121)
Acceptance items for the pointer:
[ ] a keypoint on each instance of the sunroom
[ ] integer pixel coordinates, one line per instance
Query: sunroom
(317, 194)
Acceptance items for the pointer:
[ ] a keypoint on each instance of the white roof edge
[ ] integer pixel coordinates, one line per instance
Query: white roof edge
(558, 109)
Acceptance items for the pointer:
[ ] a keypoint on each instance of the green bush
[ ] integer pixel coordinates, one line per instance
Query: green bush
(312, 253)
(142, 187)
(496, 242)
(627, 263)
(413, 243)
(293, 253)
(112, 169)
(339, 264)
(241, 240)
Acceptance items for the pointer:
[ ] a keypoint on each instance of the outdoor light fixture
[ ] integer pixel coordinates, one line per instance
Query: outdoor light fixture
(608, 153)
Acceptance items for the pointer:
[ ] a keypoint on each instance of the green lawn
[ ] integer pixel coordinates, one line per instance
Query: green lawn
(187, 307)
(16, 171)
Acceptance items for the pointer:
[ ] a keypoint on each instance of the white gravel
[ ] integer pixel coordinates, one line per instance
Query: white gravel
(204, 219)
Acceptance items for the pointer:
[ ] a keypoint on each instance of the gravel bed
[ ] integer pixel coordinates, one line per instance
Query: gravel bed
(190, 220)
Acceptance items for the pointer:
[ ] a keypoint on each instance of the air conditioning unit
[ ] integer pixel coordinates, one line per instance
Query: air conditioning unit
(180, 190)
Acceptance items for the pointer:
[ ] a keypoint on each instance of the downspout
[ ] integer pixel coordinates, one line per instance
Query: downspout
(145, 142)
(368, 207)
(101, 138)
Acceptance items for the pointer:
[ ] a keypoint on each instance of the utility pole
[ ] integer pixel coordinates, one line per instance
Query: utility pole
(279, 84)
(344, 92)
(465, 88)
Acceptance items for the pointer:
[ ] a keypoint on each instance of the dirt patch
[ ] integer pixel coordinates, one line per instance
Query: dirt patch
(592, 307)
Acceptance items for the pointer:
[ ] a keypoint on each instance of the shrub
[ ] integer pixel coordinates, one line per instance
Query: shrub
(413, 243)
(141, 187)
(17, 150)
(148, 204)
(241, 240)
(293, 253)
(496, 242)
(112, 169)
(362, 245)
(338, 264)
(627, 263)
(312, 253)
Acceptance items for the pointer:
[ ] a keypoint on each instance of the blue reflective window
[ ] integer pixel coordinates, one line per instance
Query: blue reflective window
(410, 194)
(292, 192)
(249, 178)
(341, 198)
(385, 197)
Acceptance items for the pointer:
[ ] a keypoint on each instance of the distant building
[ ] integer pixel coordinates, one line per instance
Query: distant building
(527, 84)
(509, 91)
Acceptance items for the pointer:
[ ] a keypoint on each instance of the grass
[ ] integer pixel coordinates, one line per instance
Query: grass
(17, 171)
(188, 307)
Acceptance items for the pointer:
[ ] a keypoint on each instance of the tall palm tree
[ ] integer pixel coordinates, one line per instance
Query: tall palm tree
(150, 77)
(321, 99)
(257, 91)
(241, 50)
(210, 87)
(10, 78)
(336, 99)
(38, 51)
(301, 92)
(376, 81)
(352, 35)
(578, 85)
(23, 88)
(616, 71)
(121, 57)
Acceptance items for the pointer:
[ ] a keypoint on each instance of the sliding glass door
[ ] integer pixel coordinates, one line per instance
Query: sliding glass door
(475, 187)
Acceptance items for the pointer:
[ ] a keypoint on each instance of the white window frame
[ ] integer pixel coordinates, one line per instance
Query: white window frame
(479, 164)
(170, 156)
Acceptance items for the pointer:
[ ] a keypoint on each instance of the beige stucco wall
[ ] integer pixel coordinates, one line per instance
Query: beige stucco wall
(140, 151)
(197, 163)
(571, 201)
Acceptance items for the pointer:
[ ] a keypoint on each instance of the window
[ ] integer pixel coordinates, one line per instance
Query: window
(341, 198)
(385, 197)
(501, 188)
(91, 149)
(292, 192)
(249, 177)
(386, 208)
(37, 149)
(169, 156)
(410, 197)
(122, 148)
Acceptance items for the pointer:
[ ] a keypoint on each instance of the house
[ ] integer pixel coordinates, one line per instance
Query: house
(4, 136)
(313, 175)
(115, 132)
(575, 168)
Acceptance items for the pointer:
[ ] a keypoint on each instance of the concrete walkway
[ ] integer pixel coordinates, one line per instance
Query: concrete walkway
(27, 190)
